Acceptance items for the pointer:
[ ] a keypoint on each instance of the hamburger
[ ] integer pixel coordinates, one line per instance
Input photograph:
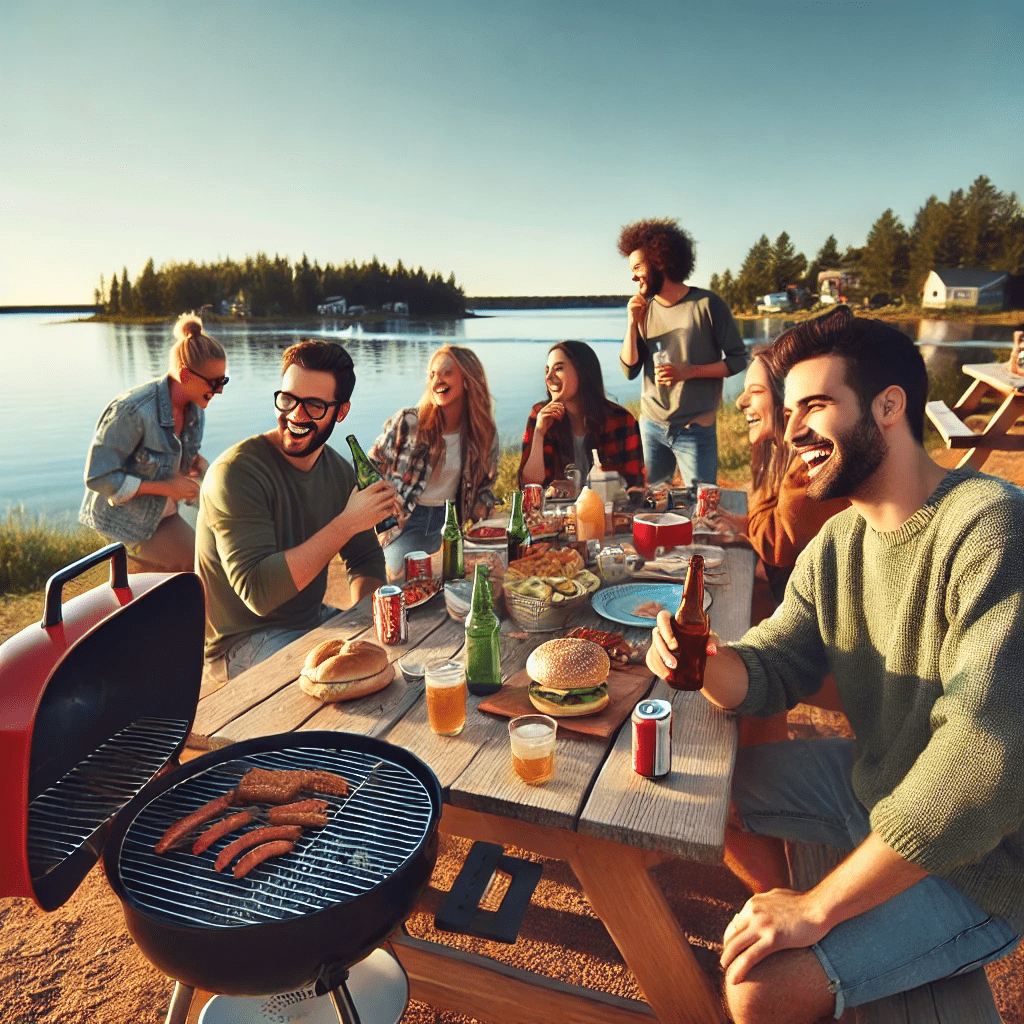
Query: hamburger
(568, 678)
(338, 670)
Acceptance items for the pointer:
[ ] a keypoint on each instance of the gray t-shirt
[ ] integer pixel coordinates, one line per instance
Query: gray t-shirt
(698, 329)
(255, 505)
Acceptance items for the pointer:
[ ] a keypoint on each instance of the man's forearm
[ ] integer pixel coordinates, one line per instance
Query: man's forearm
(872, 874)
(630, 353)
(306, 560)
(726, 680)
(363, 586)
(718, 369)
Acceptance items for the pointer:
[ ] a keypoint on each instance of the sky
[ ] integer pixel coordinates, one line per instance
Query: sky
(507, 144)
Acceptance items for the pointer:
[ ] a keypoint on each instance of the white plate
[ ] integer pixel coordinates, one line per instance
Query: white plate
(617, 603)
(498, 524)
(423, 600)
(411, 668)
(713, 556)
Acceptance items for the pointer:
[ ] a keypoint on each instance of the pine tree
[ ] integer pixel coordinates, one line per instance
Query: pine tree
(885, 261)
(927, 242)
(147, 291)
(755, 277)
(787, 265)
(114, 302)
(127, 293)
(828, 258)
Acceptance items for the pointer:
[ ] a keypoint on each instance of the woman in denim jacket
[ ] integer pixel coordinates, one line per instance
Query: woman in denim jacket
(144, 456)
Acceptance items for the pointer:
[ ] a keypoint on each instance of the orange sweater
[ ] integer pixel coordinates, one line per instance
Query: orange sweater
(781, 526)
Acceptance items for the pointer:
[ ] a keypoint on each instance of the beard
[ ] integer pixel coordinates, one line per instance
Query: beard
(855, 456)
(654, 283)
(312, 442)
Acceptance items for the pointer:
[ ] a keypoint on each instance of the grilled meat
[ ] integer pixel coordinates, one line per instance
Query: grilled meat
(252, 838)
(183, 826)
(282, 787)
(219, 829)
(260, 854)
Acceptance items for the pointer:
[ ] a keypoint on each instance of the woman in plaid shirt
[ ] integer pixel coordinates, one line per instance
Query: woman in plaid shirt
(446, 447)
(576, 419)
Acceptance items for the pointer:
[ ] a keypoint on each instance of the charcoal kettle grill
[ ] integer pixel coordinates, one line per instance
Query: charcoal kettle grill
(96, 703)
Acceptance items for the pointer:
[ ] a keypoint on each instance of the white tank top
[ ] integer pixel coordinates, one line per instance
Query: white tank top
(443, 482)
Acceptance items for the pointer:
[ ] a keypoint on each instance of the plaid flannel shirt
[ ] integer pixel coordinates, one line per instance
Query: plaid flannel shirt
(406, 464)
(618, 446)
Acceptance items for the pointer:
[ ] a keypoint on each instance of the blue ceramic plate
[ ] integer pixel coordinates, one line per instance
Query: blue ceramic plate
(617, 603)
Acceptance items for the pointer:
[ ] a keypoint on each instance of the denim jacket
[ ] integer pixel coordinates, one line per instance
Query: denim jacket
(135, 441)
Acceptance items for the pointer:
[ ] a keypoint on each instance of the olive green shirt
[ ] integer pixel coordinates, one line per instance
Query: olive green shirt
(923, 629)
(253, 507)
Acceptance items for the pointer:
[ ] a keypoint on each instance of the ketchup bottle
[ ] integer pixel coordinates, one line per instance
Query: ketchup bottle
(691, 628)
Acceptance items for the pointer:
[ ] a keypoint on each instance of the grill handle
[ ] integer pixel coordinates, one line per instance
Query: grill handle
(53, 613)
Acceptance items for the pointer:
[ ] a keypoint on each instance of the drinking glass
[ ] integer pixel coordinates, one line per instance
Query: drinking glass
(662, 358)
(445, 688)
(533, 747)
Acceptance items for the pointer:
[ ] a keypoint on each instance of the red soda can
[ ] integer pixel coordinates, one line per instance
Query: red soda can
(652, 738)
(533, 498)
(708, 496)
(389, 617)
(417, 566)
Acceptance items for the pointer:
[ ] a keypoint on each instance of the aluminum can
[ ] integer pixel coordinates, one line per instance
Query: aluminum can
(708, 496)
(389, 615)
(533, 498)
(652, 738)
(417, 566)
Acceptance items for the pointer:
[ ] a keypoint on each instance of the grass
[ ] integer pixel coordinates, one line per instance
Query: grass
(32, 549)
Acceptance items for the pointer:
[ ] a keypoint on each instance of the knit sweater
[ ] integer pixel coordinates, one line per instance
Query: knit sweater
(923, 629)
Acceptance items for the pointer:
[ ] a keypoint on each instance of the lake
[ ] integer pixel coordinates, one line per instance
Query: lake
(60, 374)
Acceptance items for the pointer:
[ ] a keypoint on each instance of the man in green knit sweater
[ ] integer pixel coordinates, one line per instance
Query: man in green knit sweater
(912, 599)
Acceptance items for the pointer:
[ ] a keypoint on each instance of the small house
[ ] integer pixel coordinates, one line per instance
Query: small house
(333, 305)
(971, 287)
(834, 285)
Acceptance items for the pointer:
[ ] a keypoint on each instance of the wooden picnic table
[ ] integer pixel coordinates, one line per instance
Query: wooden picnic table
(989, 379)
(611, 825)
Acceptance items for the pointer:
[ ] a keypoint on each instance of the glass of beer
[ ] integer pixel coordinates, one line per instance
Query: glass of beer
(533, 747)
(445, 686)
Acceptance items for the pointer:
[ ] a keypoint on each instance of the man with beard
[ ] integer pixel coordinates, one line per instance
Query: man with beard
(276, 508)
(912, 600)
(685, 341)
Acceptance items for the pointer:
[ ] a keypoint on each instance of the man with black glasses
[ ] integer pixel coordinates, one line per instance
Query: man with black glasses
(275, 509)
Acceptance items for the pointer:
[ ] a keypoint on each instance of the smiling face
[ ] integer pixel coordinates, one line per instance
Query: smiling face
(649, 278)
(840, 443)
(560, 377)
(445, 382)
(198, 388)
(298, 435)
(756, 402)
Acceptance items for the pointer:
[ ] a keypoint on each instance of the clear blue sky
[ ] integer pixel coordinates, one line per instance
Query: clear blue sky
(507, 143)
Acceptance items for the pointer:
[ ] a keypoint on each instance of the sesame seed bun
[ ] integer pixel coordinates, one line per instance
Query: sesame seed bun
(569, 677)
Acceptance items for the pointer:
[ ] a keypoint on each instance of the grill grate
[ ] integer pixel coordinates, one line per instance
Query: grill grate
(368, 837)
(64, 817)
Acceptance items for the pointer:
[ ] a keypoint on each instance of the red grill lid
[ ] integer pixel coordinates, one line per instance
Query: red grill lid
(93, 703)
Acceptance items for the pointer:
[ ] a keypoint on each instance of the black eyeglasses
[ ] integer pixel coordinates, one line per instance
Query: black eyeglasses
(314, 408)
(216, 383)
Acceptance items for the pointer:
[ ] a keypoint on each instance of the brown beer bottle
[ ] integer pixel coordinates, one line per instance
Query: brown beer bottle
(691, 627)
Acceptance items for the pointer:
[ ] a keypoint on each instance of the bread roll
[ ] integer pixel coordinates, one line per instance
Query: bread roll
(337, 670)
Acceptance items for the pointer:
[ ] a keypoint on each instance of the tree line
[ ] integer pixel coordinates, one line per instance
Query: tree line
(276, 287)
(976, 227)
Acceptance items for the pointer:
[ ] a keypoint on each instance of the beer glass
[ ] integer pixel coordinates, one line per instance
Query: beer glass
(445, 687)
(533, 747)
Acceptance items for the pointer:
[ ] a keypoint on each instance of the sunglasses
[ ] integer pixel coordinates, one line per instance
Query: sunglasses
(216, 383)
(314, 408)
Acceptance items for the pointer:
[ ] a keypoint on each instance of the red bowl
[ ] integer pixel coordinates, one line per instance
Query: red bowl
(653, 530)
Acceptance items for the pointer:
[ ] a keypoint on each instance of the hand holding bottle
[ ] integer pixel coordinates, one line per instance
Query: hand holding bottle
(372, 505)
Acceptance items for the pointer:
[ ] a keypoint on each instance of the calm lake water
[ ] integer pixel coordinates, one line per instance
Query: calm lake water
(59, 375)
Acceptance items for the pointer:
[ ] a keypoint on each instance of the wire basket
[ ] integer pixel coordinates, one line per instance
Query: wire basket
(537, 616)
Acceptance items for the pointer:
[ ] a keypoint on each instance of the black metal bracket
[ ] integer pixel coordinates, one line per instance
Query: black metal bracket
(461, 911)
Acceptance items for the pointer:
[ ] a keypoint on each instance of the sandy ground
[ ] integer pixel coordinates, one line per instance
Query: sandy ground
(79, 966)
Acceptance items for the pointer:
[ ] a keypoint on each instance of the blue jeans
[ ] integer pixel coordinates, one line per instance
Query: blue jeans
(801, 790)
(422, 532)
(691, 447)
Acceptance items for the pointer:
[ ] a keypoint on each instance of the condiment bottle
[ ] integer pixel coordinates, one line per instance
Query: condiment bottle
(367, 473)
(452, 567)
(483, 660)
(606, 483)
(589, 516)
(691, 628)
(517, 532)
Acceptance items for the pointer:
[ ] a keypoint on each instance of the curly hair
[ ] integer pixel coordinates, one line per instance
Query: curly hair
(875, 356)
(665, 245)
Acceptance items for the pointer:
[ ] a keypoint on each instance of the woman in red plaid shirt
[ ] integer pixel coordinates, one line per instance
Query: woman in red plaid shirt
(576, 419)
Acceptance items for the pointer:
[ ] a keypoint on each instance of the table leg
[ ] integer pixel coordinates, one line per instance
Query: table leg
(998, 425)
(616, 880)
(971, 398)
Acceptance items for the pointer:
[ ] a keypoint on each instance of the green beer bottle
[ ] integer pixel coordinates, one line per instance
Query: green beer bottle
(451, 539)
(367, 473)
(518, 532)
(483, 660)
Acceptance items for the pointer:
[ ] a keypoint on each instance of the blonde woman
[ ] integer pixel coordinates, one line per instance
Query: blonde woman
(446, 447)
(144, 457)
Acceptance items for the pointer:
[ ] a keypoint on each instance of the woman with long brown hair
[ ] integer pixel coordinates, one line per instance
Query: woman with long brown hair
(444, 448)
(144, 457)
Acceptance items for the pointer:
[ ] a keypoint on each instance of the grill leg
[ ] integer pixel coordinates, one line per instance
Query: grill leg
(181, 1000)
(344, 1006)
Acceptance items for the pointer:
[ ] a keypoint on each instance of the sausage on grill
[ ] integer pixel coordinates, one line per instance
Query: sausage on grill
(183, 826)
(260, 854)
(269, 787)
(302, 812)
(251, 838)
(218, 829)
